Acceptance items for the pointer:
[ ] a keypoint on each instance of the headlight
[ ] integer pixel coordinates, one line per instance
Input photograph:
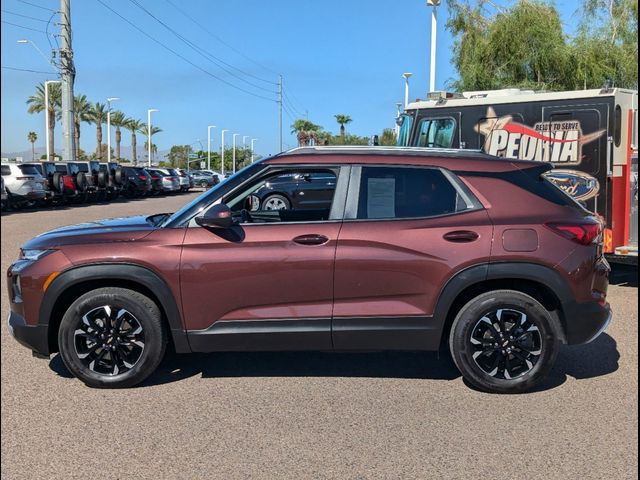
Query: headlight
(34, 255)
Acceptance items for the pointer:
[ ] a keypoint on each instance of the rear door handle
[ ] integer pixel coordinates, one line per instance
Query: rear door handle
(311, 239)
(461, 236)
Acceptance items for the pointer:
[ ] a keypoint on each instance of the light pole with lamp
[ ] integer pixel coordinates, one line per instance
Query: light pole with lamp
(244, 147)
(398, 107)
(25, 41)
(234, 151)
(109, 100)
(252, 156)
(222, 153)
(209, 146)
(434, 30)
(406, 76)
(151, 110)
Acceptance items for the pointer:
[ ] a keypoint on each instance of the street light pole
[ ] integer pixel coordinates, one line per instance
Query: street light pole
(222, 152)
(434, 31)
(252, 156)
(27, 41)
(149, 133)
(209, 146)
(234, 151)
(406, 76)
(46, 116)
(109, 100)
(244, 147)
(398, 107)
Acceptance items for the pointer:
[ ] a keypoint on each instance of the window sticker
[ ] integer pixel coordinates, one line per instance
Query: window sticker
(381, 197)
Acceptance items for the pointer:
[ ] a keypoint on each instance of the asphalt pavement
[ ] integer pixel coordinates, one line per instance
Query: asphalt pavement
(313, 415)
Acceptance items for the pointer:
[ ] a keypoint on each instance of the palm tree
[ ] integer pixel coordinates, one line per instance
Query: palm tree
(305, 131)
(144, 131)
(82, 112)
(134, 125)
(118, 120)
(32, 137)
(99, 116)
(342, 120)
(36, 105)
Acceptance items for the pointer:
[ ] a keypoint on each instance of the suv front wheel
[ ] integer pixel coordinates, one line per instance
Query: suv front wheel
(503, 341)
(112, 337)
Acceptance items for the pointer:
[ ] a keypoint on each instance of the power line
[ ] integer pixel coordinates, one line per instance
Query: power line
(37, 6)
(213, 35)
(291, 105)
(24, 16)
(26, 28)
(200, 50)
(27, 70)
(181, 56)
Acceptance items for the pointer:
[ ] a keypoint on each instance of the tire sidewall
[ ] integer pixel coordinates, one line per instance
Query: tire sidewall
(147, 314)
(279, 196)
(468, 317)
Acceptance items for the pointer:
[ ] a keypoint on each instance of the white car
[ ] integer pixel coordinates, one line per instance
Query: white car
(23, 183)
(4, 196)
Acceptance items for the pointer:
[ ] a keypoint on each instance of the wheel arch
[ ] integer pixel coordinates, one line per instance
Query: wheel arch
(76, 281)
(539, 281)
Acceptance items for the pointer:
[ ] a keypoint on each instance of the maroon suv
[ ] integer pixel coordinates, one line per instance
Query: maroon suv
(416, 249)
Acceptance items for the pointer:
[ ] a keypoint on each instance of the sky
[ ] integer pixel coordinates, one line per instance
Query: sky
(335, 56)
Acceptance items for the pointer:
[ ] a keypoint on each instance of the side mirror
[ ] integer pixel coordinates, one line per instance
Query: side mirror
(252, 203)
(218, 216)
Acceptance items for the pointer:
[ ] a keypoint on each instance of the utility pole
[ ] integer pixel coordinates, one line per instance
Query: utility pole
(280, 113)
(68, 73)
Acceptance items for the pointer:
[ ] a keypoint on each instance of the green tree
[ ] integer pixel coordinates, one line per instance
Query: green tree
(98, 117)
(32, 137)
(305, 131)
(179, 156)
(82, 110)
(37, 104)
(144, 130)
(524, 45)
(388, 137)
(134, 126)
(342, 120)
(118, 120)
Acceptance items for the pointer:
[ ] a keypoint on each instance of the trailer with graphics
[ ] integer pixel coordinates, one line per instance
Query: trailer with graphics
(590, 136)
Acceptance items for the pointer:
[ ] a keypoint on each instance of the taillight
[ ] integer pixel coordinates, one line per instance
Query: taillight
(582, 233)
(142, 177)
(25, 178)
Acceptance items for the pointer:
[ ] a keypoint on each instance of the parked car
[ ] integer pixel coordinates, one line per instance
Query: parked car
(221, 178)
(170, 180)
(54, 181)
(85, 176)
(156, 182)
(183, 178)
(417, 249)
(297, 191)
(203, 179)
(137, 182)
(114, 179)
(23, 183)
(3, 192)
(70, 188)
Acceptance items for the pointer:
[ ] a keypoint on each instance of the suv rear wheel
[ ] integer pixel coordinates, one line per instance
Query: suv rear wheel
(112, 337)
(503, 341)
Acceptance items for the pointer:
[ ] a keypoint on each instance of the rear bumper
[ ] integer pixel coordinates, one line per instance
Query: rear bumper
(586, 321)
(34, 337)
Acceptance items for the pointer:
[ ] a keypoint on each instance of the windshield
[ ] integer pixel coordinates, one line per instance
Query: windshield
(207, 198)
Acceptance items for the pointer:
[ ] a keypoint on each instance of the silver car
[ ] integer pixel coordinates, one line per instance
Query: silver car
(23, 183)
(170, 179)
(184, 178)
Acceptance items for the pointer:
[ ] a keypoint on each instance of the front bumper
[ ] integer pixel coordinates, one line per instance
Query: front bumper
(34, 337)
(586, 321)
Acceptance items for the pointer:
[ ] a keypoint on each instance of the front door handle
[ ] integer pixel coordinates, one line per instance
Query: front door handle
(461, 236)
(311, 239)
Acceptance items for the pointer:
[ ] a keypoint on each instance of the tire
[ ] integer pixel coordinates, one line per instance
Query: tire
(204, 184)
(103, 179)
(57, 182)
(511, 363)
(81, 182)
(275, 202)
(137, 352)
(118, 176)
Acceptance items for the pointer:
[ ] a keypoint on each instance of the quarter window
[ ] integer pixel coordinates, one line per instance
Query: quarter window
(436, 132)
(6, 170)
(388, 192)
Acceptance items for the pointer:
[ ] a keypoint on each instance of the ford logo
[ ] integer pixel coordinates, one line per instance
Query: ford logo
(580, 185)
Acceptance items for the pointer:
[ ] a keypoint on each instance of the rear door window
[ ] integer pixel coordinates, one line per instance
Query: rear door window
(407, 192)
(6, 170)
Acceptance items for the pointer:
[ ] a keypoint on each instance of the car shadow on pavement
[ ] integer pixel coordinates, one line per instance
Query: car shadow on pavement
(596, 359)
(624, 275)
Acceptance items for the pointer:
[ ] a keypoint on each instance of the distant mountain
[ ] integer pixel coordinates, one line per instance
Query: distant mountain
(125, 153)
